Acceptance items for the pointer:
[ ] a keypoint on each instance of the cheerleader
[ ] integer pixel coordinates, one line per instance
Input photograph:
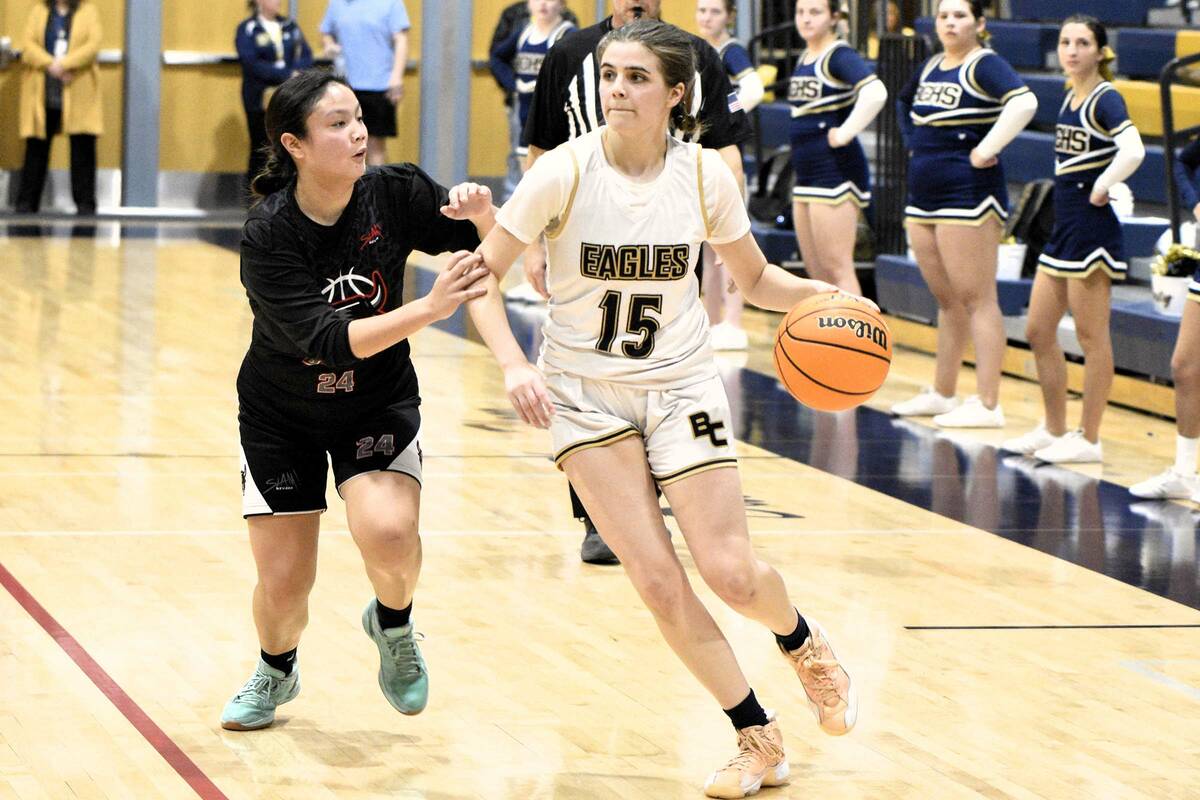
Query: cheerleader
(960, 110)
(1178, 481)
(1096, 146)
(834, 96)
(722, 300)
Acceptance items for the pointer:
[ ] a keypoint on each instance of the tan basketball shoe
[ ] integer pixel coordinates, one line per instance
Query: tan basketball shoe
(832, 697)
(760, 762)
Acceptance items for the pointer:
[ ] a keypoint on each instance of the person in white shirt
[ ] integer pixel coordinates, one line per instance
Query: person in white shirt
(627, 384)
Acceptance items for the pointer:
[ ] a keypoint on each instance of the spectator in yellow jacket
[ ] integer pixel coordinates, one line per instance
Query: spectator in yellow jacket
(60, 92)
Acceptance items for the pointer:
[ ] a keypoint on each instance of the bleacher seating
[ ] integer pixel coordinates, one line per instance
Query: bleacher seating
(1025, 45)
(1110, 12)
(1142, 52)
(1142, 337)
(1143, 99)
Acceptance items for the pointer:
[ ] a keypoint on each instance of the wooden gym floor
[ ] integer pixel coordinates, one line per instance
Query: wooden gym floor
(1017, 631)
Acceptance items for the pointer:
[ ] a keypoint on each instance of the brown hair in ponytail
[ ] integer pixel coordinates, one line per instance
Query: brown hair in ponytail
(1100, 34)
(288, 112)
(673, 49)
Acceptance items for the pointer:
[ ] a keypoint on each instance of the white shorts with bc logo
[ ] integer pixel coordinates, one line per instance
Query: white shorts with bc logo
(685, 430)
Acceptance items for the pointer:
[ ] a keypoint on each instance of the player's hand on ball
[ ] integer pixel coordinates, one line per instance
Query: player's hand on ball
(860, 299)
(1098, 197)
(460, 281)
(468, 201)
(527, 392)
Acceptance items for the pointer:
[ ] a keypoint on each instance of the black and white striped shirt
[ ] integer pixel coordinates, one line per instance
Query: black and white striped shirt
(566, 102)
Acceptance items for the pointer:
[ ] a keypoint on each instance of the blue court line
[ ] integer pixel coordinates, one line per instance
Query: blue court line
(1093, 523)
(1152, 545)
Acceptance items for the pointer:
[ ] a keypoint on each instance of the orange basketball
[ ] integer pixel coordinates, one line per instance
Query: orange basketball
(832, 352)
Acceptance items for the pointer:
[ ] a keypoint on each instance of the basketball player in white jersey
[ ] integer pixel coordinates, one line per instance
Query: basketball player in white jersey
(631, 393)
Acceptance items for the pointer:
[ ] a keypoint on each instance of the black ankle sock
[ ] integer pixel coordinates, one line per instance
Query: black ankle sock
(284, 662)
(796, 638)
(747, 713)
(390, 617)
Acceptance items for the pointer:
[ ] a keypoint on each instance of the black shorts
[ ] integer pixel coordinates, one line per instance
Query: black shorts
(284, 467)
(379, 113)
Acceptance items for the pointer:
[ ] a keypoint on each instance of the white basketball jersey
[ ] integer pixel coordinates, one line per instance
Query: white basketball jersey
(621, 259)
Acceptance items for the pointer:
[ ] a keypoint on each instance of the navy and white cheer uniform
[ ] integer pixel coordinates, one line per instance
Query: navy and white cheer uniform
(1085, 237)
(531, 52)
(822, 94)
(737, 63)
(950, 110)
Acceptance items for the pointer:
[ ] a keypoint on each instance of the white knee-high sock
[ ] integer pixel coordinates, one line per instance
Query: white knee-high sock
(1185, 454)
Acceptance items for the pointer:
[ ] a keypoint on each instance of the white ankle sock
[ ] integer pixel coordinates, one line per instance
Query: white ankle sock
(1185, 454)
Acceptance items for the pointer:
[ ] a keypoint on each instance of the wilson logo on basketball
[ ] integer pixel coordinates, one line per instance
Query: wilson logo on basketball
(861, 328)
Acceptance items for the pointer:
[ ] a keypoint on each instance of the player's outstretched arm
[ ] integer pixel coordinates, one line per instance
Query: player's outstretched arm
(522, 381)
(763, 284)
(460, 281)
(471, 201)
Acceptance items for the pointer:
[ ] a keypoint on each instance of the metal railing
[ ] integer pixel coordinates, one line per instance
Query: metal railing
(1173, 139)
(899, 57)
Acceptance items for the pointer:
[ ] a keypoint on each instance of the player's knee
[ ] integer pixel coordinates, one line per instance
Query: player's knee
(1092, 340)
(974, 302)
(1040, 335)
(736, 583)
(663, 592)
(388, 540)
(284, 590)
(1185, 372)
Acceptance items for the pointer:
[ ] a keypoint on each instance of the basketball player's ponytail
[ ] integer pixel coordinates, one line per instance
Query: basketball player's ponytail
(673, 49)
(287, 112)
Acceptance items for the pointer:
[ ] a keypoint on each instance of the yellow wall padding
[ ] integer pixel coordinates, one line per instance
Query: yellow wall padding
(1142, 99)
(1187, 43)
(13, 14)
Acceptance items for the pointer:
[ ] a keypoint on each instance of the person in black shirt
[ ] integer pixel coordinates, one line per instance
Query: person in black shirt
(328, 372)
(566, 104)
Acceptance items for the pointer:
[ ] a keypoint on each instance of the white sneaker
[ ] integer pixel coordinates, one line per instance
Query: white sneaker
(1028, 443)
(971, 414)
(1071, 448)
(726, 336)
(1167, 485)
(523, 293)
(925, 404)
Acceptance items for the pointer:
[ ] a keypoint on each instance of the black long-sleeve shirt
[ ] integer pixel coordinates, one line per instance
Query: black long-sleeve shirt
(306, 282)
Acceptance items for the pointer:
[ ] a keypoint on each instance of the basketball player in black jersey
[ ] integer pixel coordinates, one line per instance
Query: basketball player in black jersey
(328, 375)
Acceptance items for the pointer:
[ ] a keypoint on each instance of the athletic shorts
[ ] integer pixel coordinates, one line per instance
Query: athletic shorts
(379, 113)
(684, 430)
(284, 468)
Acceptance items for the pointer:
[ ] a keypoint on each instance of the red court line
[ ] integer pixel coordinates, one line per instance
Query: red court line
(153, 734)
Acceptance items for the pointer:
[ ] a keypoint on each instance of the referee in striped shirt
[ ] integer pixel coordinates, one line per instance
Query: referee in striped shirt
(566, 104)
